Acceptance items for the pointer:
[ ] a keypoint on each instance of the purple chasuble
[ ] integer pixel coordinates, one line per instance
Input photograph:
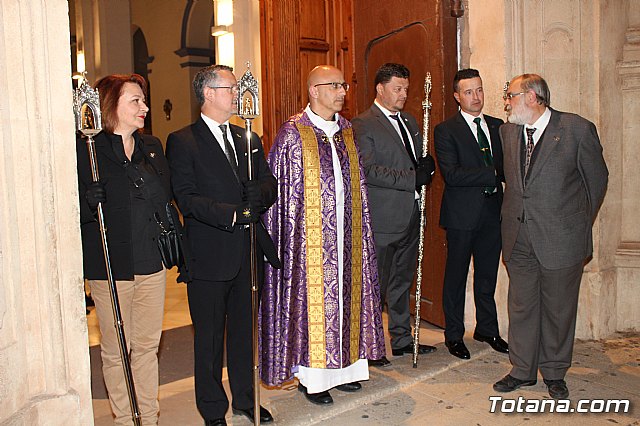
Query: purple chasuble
(284, 331)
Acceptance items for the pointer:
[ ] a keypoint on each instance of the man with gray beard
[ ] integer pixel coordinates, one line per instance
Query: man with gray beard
(556, 179)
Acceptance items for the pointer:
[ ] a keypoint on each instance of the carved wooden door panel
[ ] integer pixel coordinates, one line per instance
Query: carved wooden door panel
(297, 35)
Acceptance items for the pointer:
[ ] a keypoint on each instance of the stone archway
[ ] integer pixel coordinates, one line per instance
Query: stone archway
(197, 47)
(196, 44)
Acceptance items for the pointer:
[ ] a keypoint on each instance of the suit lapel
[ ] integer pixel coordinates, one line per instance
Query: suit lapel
(208, 144)
(413, 134)
(512, 150)
(465, 134)
(384, 120)
(240, 144)
(103, 141)
(551, 137)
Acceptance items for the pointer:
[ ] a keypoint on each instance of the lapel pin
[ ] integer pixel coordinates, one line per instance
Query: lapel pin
(556, 138)
(152, 154)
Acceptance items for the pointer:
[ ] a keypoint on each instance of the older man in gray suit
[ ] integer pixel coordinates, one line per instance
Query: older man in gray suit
(391, 147)
(556, 179)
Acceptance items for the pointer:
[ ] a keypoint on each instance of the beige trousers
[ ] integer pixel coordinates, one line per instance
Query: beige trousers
(142, 308)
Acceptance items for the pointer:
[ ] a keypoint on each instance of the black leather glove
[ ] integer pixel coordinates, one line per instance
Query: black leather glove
(427, 164)
(422, 178)
(252, 193)
(247, 213)
(424, 171)
(95, 194)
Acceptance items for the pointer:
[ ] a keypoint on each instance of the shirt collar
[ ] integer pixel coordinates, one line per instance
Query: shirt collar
(542, 121)
(540, 125)
(328, 127)
(469, 118)
(385, 111)
(213, 125)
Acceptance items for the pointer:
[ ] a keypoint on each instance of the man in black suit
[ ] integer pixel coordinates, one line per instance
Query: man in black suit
(469, 155)
(391, 147)
(208, 161)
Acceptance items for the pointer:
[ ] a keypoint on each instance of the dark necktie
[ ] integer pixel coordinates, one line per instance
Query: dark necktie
(530, 146)
(483, 142)
(228, 151)
(405, 138)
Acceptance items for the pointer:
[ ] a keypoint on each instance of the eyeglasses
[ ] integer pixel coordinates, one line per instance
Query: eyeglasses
(512, 95)
(335, 85)
(233, 88)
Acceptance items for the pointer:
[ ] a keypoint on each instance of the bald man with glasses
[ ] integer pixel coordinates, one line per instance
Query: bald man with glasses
(320, 316)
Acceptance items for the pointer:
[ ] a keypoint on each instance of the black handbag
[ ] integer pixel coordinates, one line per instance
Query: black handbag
(169, 240)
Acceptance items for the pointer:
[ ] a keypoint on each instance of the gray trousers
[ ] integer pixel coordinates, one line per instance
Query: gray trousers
(397, 262)
(542, 313)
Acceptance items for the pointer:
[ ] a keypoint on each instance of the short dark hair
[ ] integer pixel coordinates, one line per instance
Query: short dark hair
(389, 70)
(464, 74)
(207, 77)
(538, 85)
(110, 89)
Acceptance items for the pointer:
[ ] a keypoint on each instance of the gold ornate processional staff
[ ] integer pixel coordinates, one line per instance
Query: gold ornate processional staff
(426, 106)
(248, 109)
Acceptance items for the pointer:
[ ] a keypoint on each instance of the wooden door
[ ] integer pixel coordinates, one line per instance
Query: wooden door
(297, 35)
(358, 36)
(420, 34)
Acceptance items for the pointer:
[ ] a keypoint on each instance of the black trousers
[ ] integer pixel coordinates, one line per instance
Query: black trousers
(217, 306)
(484, 244)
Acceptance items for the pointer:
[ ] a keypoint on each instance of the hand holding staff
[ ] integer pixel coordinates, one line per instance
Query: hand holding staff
(248, 110)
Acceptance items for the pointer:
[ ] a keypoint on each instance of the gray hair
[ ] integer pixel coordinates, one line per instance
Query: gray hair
(538, 85)
(207, 77)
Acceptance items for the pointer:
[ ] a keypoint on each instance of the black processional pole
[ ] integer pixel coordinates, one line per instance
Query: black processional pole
(248, 109)
(86, 108)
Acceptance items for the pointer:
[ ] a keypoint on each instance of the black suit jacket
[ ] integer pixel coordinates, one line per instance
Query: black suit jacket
(117, 208)
(391, 176)
(208, 193)
(464, 172)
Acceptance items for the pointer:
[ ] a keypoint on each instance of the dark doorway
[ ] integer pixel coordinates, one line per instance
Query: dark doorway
(141, 61)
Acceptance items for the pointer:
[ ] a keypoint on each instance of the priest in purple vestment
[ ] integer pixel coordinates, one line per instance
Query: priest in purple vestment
(320, 317)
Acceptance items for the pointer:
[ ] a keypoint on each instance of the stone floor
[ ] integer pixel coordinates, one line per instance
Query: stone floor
(442, 390)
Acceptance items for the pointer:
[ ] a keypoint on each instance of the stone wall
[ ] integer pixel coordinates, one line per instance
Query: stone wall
(44, 359)
(588, 51)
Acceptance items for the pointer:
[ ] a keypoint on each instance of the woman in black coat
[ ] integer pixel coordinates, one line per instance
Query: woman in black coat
(134, 187)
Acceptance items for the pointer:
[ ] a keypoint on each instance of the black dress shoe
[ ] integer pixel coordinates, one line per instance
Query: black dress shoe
(496, 343)
(422, 349)
(350, 387)
(509, 383)
(382, 362)
(215, 422)
(320, 398)
(265, 415)
(458, 348)
(557, 389)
